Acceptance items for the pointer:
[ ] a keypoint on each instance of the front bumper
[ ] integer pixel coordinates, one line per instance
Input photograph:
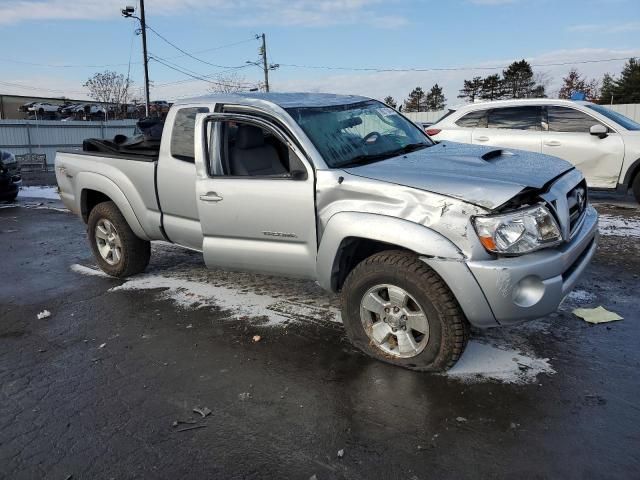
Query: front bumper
(508, 290)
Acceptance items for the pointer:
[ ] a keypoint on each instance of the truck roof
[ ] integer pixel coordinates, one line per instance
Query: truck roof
(283, 100)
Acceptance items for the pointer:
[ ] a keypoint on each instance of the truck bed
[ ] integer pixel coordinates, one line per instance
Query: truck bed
(127, 180)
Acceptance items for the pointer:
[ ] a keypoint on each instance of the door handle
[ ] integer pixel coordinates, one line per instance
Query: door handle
(482, 139)
(552, 143)
(210, 197)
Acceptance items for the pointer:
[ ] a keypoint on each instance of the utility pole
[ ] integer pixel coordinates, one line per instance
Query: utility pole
(263, 51)
(128, 12)
(143, 26)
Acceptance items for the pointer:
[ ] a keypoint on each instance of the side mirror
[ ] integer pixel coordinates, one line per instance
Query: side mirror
(599, 130)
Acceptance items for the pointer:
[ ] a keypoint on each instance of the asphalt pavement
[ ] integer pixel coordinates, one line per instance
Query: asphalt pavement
(106, 384)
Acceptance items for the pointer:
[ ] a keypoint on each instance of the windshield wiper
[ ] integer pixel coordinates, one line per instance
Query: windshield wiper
(412, 147)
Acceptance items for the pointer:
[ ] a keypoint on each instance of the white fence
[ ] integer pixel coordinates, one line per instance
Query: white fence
(631, 110)
(32, 136)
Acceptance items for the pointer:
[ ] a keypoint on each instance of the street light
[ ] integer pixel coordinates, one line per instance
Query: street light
(129, 12)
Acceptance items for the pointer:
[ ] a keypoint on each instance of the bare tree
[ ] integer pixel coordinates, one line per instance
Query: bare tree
(229, 83)
(110, 88)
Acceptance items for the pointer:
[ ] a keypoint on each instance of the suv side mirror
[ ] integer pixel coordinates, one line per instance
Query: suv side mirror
(599, 130)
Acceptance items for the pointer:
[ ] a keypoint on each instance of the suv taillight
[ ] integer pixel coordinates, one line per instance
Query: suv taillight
(432, 132)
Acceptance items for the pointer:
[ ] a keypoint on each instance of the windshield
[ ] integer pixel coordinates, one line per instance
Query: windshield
(359, 133)
(620, 119)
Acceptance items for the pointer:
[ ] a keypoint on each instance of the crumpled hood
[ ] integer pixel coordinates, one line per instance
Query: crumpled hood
(458, 170)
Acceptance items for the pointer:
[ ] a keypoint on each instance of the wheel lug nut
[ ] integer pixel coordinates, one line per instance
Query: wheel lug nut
(404, 317)
(394, 329)
(404, 327)
(396, 309)
(386, 309)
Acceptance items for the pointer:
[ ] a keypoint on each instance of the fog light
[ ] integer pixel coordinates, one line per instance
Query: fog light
(528, 291)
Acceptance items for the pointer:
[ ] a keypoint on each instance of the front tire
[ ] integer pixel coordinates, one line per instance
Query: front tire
(396, 309)
(118, 251)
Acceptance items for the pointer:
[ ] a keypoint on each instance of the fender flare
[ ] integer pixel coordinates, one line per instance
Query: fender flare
(632, 171)
(394, 231)
(102, 184)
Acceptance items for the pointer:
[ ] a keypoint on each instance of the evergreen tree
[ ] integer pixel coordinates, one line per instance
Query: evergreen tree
(518, 81)
(471, 89)
(416, 101)
(627, 87)
(390, 101)
(435, 99)
(492, 88)
(607, 92)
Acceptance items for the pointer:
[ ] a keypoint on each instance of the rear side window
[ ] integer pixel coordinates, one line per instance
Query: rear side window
(473, 120)
(182, 142)
(515, 118)
(450, 112)
(562, 119)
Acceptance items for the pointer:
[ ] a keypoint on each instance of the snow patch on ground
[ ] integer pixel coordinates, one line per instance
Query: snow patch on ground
(581, 296)
(81, 269)
(482, 361)
(50, 193)
(192, 294)
(619, 226)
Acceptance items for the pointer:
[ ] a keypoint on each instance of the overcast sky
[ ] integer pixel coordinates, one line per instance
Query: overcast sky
(50, 47)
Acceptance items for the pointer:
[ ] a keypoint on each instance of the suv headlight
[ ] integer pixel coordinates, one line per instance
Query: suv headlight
(518, 232)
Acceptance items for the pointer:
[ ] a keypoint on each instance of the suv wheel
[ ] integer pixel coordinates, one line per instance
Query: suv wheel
(398, 310)
(117, 249)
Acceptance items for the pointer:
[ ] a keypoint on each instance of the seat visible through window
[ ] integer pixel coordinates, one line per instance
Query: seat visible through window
(250, 155)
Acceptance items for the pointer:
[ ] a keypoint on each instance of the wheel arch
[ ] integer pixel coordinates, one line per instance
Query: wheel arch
(632, 172)
(98, 188)
(349, 237)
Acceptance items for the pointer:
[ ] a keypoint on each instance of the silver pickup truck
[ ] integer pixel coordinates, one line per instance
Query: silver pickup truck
(422, 239)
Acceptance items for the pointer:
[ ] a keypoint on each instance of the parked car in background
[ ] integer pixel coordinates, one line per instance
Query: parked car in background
(43, 108)
(10, 179)
(603, 144)
(421, 239)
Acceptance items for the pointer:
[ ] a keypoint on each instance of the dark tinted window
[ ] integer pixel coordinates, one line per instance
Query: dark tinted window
(562, 119)
(182, 142)
(515, 118)
(620, 119)
(474, 120)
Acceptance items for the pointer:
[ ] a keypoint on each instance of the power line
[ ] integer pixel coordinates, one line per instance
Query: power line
(184, 51)
(442, 69)
(199, 77)
(108, 65)
(29, 87)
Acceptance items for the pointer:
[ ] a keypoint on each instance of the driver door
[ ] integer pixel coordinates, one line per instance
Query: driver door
(254, 222)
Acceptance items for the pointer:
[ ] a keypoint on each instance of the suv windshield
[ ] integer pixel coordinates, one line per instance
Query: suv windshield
(359, 133)
(620, 119)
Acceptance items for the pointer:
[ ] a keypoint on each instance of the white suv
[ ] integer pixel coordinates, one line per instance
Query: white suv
(603, 144)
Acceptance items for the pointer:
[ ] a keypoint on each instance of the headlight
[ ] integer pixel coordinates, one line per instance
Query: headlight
(518, 232)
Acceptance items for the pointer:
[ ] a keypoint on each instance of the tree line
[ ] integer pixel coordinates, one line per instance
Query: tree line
(519, 80)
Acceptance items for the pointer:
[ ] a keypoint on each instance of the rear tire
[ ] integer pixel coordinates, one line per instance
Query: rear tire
(118, 251)
(635, 187)
(391, 295)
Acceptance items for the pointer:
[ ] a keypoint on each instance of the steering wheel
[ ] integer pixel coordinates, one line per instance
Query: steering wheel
(371, 137)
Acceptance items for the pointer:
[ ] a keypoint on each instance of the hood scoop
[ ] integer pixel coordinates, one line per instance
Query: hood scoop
(496, 153)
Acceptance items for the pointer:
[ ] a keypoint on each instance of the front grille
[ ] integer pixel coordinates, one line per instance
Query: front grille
(577, 202)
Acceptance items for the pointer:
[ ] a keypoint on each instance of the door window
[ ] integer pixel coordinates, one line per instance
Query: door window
(563, 119)
(515, 118)
(473, 120)
(182, 141)
(248, 150)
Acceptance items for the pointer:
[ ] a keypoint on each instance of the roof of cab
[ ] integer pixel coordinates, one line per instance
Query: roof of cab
(283, 100)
